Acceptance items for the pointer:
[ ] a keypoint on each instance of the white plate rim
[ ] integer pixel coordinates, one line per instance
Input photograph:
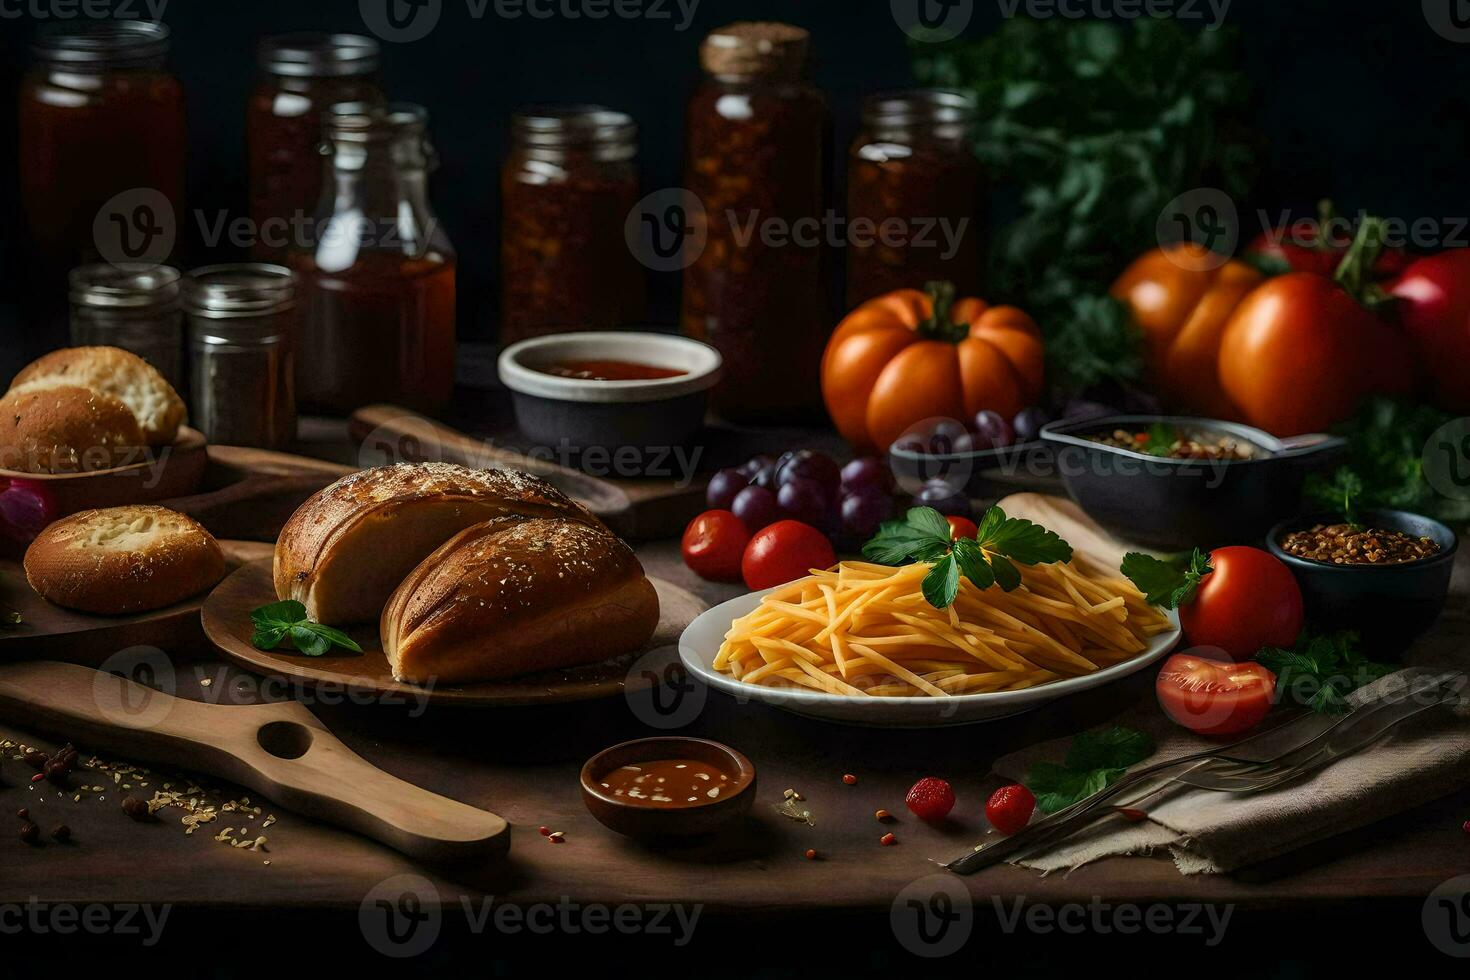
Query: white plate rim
(802, 701)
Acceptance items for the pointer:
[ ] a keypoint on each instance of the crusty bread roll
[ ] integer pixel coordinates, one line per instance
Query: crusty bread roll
(123, 560)
(116, 372)
(516, 595)
(346, 549)
(67, 429)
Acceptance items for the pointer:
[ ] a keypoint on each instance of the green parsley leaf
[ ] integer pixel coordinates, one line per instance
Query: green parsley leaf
(278, 621)
(972, 562)
(1094, 761)
(1020, 540)
(1320, 671)
(1161, 439)
(1164, 583)
(942, 583)
(1058, 787)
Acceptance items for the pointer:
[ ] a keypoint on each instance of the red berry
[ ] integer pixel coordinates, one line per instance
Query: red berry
(1010, 808)
(1466, 827)
(930, 798)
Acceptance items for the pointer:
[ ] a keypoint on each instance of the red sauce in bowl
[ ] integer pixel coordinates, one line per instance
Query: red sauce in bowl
(609, 370)
(667, 783)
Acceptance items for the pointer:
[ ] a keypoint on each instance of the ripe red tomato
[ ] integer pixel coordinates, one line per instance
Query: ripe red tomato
(1214, 697)
(1434, 310)
(714, 544)
(961, 527)
(785, 551)
(1250, 600)
(1009, 808)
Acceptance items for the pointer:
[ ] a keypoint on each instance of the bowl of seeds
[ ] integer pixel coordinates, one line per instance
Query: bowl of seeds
(1384, 573)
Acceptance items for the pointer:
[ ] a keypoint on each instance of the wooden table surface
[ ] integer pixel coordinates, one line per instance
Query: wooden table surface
(523, 764)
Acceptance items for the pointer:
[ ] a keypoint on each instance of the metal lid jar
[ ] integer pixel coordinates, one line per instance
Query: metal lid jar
(132, 306)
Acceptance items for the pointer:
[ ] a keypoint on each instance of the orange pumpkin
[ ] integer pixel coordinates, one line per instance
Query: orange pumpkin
(1182, 297)
(908, 356)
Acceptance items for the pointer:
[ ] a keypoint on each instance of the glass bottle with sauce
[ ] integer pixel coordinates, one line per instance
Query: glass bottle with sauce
(300, 76)
(376, 292)
(758, 134)
(135, 307)
(99, 115)
(912, 165)
(567, 187)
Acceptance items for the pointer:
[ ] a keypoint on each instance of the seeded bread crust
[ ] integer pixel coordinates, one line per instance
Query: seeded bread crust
(67, 429)
(118, 373)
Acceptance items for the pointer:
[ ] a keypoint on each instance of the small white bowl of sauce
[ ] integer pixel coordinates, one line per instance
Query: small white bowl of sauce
(610, 390)
(671, 786)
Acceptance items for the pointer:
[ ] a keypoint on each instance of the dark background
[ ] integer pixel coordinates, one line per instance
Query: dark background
(1360, 101)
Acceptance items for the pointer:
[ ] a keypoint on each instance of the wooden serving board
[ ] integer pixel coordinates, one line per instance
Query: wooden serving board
(251, 493)
(226, 617)
(49, 632)
(280, 750)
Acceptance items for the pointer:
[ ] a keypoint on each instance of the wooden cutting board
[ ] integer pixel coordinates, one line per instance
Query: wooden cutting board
(279, 750)
(50, 632)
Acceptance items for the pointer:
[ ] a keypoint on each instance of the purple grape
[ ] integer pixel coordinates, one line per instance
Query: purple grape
(803, 499)
(809, 465)
(1028, 423)
(765, 477)
(756, 507)
(863, 509)
(992, 431)
(943, 498)
(942, 436)
(754, 465)
(723, 487)
(865, 471)
(970, 442)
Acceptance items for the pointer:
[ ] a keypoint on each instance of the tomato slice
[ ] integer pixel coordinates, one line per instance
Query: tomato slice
(1211, 695)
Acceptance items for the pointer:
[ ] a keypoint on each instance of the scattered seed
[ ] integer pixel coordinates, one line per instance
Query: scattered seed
(811, 853)
(1131, 814)
(849, 779)
(883, 816)
(30, 833)
(61, 834)
(887, 840)
(135, 808)
(23, 813)
(544, 831)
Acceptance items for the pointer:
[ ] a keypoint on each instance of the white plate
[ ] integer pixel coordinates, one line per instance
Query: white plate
(701, 642)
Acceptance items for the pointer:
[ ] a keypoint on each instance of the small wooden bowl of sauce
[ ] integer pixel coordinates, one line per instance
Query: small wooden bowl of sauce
(669, 786)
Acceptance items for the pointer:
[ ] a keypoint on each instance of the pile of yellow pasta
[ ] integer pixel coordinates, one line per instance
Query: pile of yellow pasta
(867, 631)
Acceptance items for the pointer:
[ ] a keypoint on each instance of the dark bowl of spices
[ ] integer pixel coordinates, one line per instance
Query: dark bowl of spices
(617, 401)
(1178, 482)
(670, 786)
(1385, 574)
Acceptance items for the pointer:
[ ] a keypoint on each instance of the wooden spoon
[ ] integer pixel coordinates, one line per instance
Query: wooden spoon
(279, 750)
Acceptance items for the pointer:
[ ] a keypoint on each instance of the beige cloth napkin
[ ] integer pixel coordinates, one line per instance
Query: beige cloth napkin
(1207, 832)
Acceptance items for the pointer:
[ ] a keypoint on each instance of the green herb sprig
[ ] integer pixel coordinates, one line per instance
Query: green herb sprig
(286, 619)
(1320, 671)
(1165, 583)
(1094, 761)
(990, 558)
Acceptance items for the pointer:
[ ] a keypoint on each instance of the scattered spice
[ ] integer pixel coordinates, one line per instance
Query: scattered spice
(23, 813)
(811, 853)
(61, 834)
(1353, 544)
(1169, 442)
(556, 837)
(30, 833)
(135, 808)
(544, 831)
(883, 816)
(849, 779)
(35, 758)
(790, 807)
(887, 840)
(1131, 814)
(10, 620)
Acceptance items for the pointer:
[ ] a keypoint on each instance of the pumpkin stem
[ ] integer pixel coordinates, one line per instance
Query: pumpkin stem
(941, 325)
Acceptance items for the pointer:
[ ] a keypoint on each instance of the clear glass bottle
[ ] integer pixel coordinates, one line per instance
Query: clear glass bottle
(99, 114)
(241, 353)
(566, 189)
(135, 307)
(300, 76)
(912, 162)
(758, 143)
(376, 290)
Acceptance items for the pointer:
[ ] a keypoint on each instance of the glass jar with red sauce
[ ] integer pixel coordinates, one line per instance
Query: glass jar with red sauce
(300, 76)
(914, 195)
(758, 138)
(99, 114)
(376, 291)
(566, 188)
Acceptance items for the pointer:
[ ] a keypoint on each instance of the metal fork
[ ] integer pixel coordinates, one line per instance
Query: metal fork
(1223, 761)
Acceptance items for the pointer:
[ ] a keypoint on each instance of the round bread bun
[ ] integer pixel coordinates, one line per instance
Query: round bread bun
(116, 372)
(123, 560)
(67, 429)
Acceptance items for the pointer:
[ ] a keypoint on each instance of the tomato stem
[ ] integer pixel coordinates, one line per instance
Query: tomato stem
(1355, 271)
